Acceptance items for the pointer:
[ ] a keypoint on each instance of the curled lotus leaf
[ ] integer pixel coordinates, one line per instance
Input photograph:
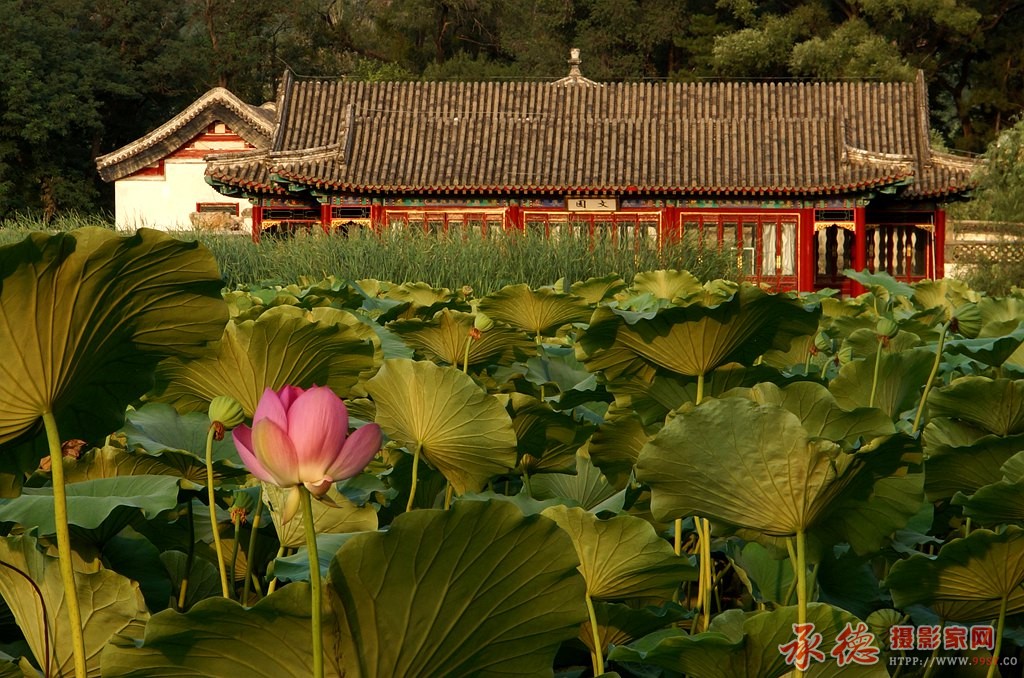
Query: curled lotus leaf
(536, 312)
(996, 405)
(444, 339)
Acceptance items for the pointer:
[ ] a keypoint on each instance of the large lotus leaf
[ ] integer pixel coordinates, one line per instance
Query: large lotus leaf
(536, 312)
(272, 351)
(1000, 316)
(346, 320)
(622, 557)
(218, 638)
(112, 460)
(968, 578)
(84, 318)
(962, 458)
(478, 590)
(30, 583)
(463, 432)
(443, 339)
(750, 465)
(420, 300)
(596, 290)
(667, 284)
(557, 366)
(616, 445)
(993, 351)
(547, 440)
(901, 376)
(747, 644)
(618, 623)
(867, 516)
(203, 577)
(136, 557)
(820, 414)
(341, 518)
(863, 343)
(157, 427)
(694, 339)
(1001, 502)
(588, 487)
(996, 405)
(947, 294)
(94, 502)
(768, 578)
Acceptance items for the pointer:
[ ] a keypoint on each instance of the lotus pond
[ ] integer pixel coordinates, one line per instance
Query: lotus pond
(645, 477)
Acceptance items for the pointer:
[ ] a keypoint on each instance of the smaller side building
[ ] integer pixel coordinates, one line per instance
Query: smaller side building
(159, 179)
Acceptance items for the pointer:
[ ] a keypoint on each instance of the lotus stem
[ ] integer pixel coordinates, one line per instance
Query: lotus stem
(1000, 626)
(678, 541)
(316, 605)
(700, 388)
(967, 527)
(706, 570)
(415, 469)
(236, 522)
(874, 377)
(251, 551)
(465, 357)
(526, 483)
(931, 377)
(189, 556)
(67, 570)
(272, 586)
(212, 496)
(801, 582)
(807, 360)
(598, 654)
(448, 496)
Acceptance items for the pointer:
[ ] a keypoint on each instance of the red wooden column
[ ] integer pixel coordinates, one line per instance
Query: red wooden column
(514, 218)
(669, 225)
(806, 264)
(860, 247)
(377, 216)
(939, 244)
(257, 222)
(325, 217)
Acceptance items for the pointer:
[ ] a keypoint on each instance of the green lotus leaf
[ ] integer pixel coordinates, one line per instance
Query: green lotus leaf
(901, 376)
(616, 445)
(557, 366)
(463, 432)
(218, 638)
(84, 318)
(992, 351)
(112, 460)
(1000, 316)
(595, 290)
(867, 516)
(536, 312)
(157, 427)
(864, 342)
(881, 284)
(694, 339)
(135, 557)
(341, 518)
(272, 351)
(296, 566)
(588, 487)
(618, 624)
(968, 579)
(203, 578)
(94, 502)
(820, 414)
(443, 339)
(31, 586)
(622, 557)
(468, 584)
(947, 294)
(963, 458)
(996, 405)
(1000, 502)
(547, 440)
(747, 644)
(667, 285)
(423, 300)
(768, 578)
(346, 320)
(753, 466)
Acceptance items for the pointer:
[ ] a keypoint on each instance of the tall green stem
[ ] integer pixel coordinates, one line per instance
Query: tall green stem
(67, 570)
(931, 377)
(874, 377)
(465, 357)
(251, 551)
(801, 581)
(706, 575)
(598, 654)
(415, 470)
(212, 496)
(316, 605)
(700, 388)
(526, 483)
(1000, 625)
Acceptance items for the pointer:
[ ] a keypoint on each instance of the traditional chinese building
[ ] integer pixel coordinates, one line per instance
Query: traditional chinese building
(800, 179)
(159, 180)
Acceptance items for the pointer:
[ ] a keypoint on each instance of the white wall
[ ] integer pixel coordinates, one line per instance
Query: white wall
(166, 202)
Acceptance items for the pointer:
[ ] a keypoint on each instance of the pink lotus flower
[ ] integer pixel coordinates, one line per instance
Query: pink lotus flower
(300, 437)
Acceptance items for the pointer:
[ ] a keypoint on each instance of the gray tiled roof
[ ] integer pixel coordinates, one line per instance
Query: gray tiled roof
(655, 138)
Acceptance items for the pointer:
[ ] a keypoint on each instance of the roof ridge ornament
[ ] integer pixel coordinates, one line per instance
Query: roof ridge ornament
(575, 77)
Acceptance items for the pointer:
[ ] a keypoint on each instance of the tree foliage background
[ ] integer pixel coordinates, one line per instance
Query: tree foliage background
(79, 78)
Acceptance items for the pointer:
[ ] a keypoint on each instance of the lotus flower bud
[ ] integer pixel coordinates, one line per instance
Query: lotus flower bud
(227, 411)
(482, 322)
(886, 327)
(967, 320)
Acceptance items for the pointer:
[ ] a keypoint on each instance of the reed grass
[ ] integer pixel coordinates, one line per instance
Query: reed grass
(485, 262)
